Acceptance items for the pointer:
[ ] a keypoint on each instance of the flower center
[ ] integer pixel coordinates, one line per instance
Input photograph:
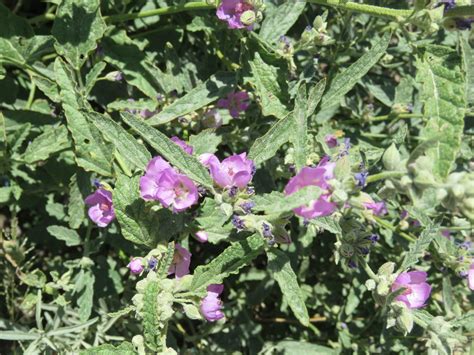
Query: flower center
(242, 6)
(230, 171)
(180, 191)
(104, 206)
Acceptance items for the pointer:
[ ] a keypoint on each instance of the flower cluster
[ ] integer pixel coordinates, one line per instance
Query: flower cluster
(240, 13)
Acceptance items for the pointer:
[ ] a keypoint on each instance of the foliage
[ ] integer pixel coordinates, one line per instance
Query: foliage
(373, 103)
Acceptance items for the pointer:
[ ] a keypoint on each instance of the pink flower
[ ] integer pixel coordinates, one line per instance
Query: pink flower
(211, 305)
(201, 236)
(417, 289)
(377, 208)
(136, 266)
(235, 102)
(331, 140)
(470, 277)
(318, 176)
(163, 183)
(181, 262)
(231, 10)
(235, 170)
(101, 211)
(187, 148)
(212, 119)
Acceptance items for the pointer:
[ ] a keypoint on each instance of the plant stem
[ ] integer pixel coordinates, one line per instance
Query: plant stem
(385, 117)
(387, 225)
(31, 96)
(368, 269)
(379, 11)
(385, 175)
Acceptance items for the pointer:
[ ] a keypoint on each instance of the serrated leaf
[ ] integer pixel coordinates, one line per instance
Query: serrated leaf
(124, 348)
(212, 220)
(280, 268)
(92, 152)
(230, 261)
(277, 202)
(92, 76)
(134, 153)
(268, 88)
(281, 19)
(188, 164)
(327, 223)
(138, 222)
(419, 247)
(86, 294)
(68, 89)
(444, 95)
(51, 141)
(205, 142)
(217, 86)
(267, 145)
(77, 28)
(78, 190)
(345, 80)
(69, 236)
(8, 53)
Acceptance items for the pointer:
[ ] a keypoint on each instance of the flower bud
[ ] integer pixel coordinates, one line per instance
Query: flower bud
(458, 191)
(136, 266)
(386, 269)
(391, 158)
(248, 18)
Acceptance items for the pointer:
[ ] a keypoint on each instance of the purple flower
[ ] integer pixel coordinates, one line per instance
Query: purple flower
(136, 266)
(377, 208)
(231, 10)
(181, 261)
(247, 206)
(446, 233)
(361, 178)
(448, 4)
(211, 305)
(101, 210)
(235, 170)
(187, 148)
(146, 113)
(162, 183)
(374, 238)
(417, 289)
(318, 176)
(235, 102)
(201, 236)
(331, 140)
(470, 277)
(152, 262)
(238, 223)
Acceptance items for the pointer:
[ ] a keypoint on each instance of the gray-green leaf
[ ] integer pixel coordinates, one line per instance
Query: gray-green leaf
(77, 28)
(277, 202)
(280, 268)
(280, 20)
(69, 236)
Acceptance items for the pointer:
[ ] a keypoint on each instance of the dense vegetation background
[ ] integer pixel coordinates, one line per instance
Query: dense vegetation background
(377, 96)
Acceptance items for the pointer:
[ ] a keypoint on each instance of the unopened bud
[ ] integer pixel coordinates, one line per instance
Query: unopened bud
(391, 158)
(248, 18)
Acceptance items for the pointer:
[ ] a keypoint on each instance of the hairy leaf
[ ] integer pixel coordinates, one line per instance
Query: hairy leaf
(277, 202)
(69, 236)
(280, 20)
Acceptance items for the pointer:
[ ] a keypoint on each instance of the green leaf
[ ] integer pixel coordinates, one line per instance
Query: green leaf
(468, 64)
(327, 223)
(280, 20)
(345, 81)
(268, 87)
(134, 153)
(280, 268)
(418, 248)
(138, 222)
(188, 164)
(212, 220)
(205, 141)
(443, 93)
(8, 53)
(14, 335)
(138, 69)
(289, 347)
(71, 329)
(267, 145)
(300, 133)
(77, 28)
(51, 141)
(69, 92)
(85, 289)
(92, 152)
(92, 76)
(124, 348)
(277, 202)
(217, 86)
(69, 236)
(230, 261)
(78, 190)
(13, 25)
